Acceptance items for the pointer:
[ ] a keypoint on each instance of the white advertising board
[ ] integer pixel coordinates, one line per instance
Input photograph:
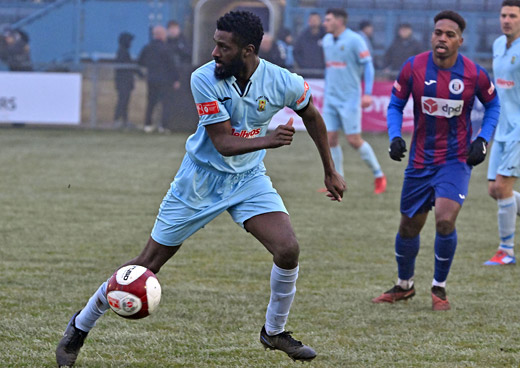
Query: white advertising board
(40, 98)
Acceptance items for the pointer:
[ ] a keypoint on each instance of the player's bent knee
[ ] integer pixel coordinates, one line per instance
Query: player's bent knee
(287, 255)
(492, 192)
(445, 227)
(355, 141)
(408, 231)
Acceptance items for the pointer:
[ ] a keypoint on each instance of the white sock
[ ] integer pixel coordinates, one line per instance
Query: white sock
(97, 305)
(405, 284)
(437, 283)
(283, 288)
(507, 223)
(369, 157)
(517, 200)
(337, 156)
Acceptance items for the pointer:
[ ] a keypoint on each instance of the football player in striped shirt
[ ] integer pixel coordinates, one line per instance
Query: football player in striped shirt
(443, 85)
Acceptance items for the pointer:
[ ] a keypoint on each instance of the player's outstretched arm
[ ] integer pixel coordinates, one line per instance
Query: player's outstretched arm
(313, 121)
(227, 144)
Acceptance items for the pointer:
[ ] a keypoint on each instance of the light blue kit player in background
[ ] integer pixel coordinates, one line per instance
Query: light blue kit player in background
(236, 96)
(347, 57)
(504, 159)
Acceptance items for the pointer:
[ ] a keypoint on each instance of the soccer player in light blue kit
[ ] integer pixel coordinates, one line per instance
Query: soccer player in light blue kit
(504, 159)
(346, 58)
(236, 95)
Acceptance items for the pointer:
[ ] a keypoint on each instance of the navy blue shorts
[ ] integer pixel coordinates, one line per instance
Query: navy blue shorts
(422, 186)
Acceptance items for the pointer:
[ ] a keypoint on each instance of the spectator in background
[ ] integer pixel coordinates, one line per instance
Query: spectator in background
(366, 30)
(269, 50)
(286, 48)
(403, 46)
(124, 78)
(17, 52)
(162, 76)
(308, 52)
(178, 44)
(3, 52)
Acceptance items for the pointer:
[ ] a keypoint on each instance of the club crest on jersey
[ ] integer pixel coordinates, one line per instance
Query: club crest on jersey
(262, 102)
(441, 107)
(456, 86)
(513, 59)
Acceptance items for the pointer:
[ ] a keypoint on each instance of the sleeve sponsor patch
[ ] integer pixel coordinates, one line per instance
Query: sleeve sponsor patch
(491, 89)
(397, 86)
(364, 54)
(208, 108)
(302, 98)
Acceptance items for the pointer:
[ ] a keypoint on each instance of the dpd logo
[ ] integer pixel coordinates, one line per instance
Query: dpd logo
(441, 107)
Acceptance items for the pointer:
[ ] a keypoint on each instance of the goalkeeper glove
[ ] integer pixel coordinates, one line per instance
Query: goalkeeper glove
(477, 151)
(397, 149)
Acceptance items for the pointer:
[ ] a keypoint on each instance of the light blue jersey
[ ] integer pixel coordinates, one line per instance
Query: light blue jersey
(269, 90)
(345, 58)
(506, 69)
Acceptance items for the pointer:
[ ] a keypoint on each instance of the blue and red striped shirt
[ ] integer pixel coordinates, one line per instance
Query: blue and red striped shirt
(443, 100)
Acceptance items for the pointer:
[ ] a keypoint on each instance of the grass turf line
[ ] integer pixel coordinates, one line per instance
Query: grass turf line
(76, 204)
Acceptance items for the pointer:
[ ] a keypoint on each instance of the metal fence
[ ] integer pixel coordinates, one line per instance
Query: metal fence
(99, 99)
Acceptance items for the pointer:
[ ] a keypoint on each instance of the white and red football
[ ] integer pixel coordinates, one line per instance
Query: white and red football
(133, 292)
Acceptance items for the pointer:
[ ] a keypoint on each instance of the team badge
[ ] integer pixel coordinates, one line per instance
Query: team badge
(513, 59)
(456, 86)
(262, 102)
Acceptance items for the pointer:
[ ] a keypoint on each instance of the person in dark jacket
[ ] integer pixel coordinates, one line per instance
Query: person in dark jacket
(178, 44)
(269, 51)
(124, 78)
(286, 47)
(308, 52)
(18, 51)
(162, 75)
(403, 46)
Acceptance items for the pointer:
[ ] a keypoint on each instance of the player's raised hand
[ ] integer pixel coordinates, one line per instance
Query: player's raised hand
(282, 135)
(336, 186)
(397, 149)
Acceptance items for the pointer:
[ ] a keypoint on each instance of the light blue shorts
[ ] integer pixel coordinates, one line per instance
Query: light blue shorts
(504, 159)
(197, 195)
(342, 116)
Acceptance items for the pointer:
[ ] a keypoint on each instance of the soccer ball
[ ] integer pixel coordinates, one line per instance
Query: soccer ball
(133, 292)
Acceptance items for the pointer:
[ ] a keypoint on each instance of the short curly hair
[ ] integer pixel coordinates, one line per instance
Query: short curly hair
(453, 16)
(245, 27)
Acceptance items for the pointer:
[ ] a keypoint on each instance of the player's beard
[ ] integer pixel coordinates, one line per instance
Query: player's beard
(234, 67)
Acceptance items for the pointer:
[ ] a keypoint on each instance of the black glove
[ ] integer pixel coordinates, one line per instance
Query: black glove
(397, 149)
(477, 151)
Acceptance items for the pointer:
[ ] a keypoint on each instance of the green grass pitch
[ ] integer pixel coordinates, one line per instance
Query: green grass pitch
(76, 204)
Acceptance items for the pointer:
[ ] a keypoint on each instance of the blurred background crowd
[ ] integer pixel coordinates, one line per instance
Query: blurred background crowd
(135, 55)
